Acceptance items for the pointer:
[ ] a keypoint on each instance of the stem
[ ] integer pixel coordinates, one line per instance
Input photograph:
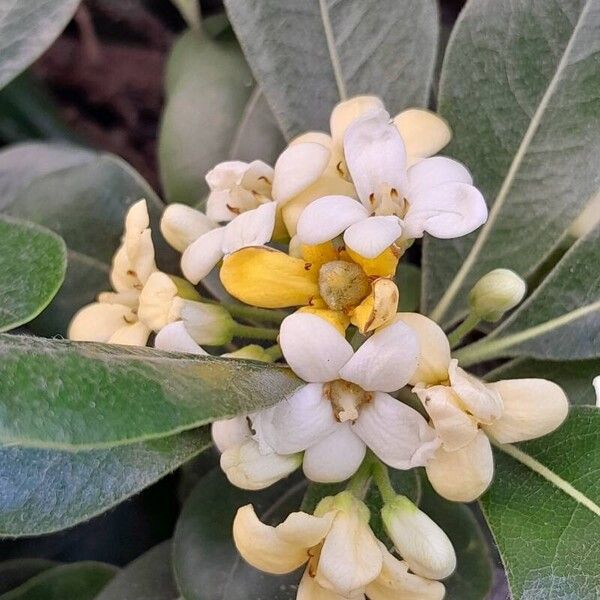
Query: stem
(250, 312)
(463, 329)
(381, 476)
(255, 333)
(361, 480)
(274, 352)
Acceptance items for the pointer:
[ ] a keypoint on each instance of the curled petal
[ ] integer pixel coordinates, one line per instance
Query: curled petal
(378, 308)
(203, 255)
(370, 237)
(309, 589)
(463, 475)
(424, 133)
(532, 408)
(396, 433)
(432, 172)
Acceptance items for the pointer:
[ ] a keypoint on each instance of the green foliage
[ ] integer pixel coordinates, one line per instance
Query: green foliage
(308, 56)
(519, 88)
(550, 540)
(15, 572)
(27, 28)
(32, 267)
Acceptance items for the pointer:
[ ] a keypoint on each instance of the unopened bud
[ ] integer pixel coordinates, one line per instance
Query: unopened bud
(181, 225)
(495, 293)
(247, 468)
(418, 539)
(208, 324)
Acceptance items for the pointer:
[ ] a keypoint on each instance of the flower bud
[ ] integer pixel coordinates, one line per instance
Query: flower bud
(247, 468)
(208, 324)
(251, 352)
(181, 225)
(418, 539)
(495, 293)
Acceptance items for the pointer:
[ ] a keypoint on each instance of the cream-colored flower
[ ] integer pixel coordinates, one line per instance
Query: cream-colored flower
(463, 409)
(181, 225)
(345, 406)
(114, 317)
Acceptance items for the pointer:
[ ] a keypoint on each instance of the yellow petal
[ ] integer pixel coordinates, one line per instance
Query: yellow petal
(378, 308)
(336, 317)
(383, 265)
(424, 133)
(319, 254)
(262, 547)
(268, 278)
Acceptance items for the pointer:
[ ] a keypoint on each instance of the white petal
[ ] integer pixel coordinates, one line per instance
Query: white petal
(252, 228)
(217, 206)
(432, 172)
(137, 240)
(315, 137)
(463, 475)
(434, 349)
(258, 178)
(446, 211)
(313, 348)
(350, 557)
(262, 547)
(386, 361)
(327, 217)
(181, 225)
(396, 433)
(298, 166)
(97, 322)
(336, 457)
(209, 324)
(370, 237)
(157, 306)
(375, 155)
(297, 422)
(348, 111)
(396, 583)
(309, 589)
(481, 400)
(203, 255)
(227, 174)
(424, 133)
(250, 469)
(135, 334)
(230, 432)
(175, 338)
(532, 408)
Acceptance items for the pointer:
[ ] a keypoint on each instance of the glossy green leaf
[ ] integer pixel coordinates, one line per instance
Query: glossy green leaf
(308, 56)
(86, 204)
(575, 377)
(520, 89)
(77, 581)
(16, 572)
(559, 321)
(546, 519)
(150, 577)
(32, 267)
(42, 491)
(209, 84)
(207, 565)
(27, 28)
(473, 576)
(67, 395)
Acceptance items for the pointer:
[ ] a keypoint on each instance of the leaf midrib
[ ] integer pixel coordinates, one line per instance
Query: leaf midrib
(455, 286)
(332, 49)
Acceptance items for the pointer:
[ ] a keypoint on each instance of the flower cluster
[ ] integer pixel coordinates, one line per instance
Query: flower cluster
(323, 232)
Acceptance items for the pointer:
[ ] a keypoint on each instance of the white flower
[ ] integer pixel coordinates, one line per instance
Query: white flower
(464, 409)
(435, 195)
(181, 225)
(113, 318)
(345, 405)
(344, 558)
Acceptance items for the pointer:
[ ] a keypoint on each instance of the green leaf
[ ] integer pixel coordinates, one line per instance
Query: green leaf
(308, 56)
(473, 576)
(408, 280)
(67, 395)
(27, 28)
(32, 267)
(149, 577)
(14, 573)
(519, 88)
(20, 164)
(543, 511)
(42, 491)
(559, 321)
(209, 84)
(575, 377)
(86, 204)
(77, 581)
(207, 565)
